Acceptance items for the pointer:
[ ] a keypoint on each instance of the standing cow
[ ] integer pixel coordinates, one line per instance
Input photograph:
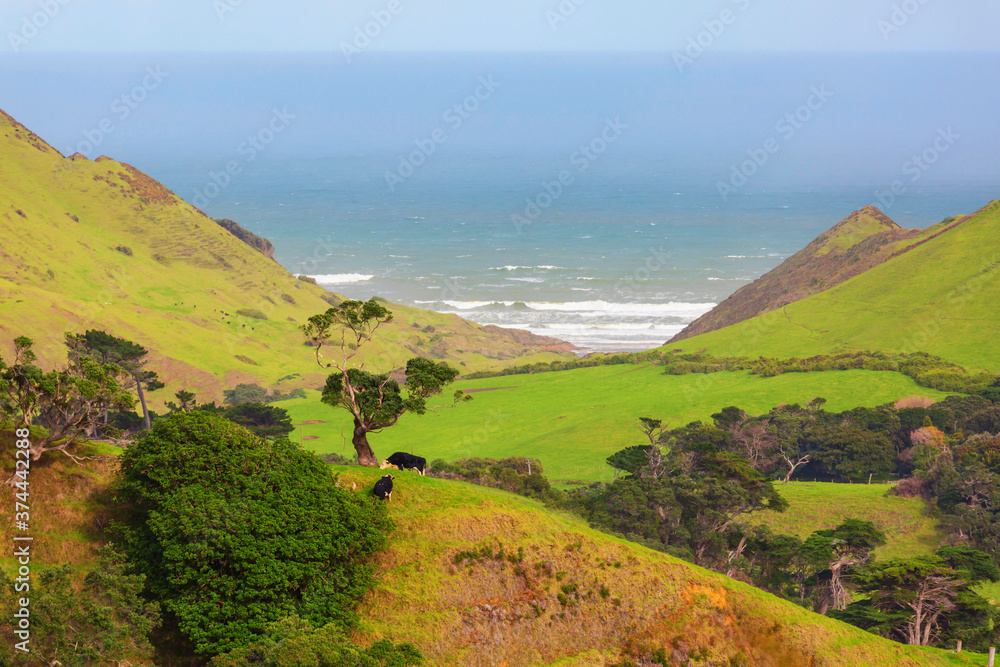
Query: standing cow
(404, 461)
(383, 488)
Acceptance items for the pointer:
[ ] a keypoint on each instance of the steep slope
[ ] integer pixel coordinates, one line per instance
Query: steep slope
(863, 240)
(98, 244)
(942, 296)
(478, 577)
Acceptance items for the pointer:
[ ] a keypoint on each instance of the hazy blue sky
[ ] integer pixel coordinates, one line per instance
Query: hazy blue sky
(498, 25)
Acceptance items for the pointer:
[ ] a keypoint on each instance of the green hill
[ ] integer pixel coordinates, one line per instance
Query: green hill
(863, 240)
(941, 297)
(98, 244)
(475, 576)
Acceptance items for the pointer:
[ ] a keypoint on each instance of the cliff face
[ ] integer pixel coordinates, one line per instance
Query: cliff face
(258, 243)
(863, 240)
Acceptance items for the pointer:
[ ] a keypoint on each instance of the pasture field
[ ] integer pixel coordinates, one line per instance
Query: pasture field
(812, 506)
(571, 421)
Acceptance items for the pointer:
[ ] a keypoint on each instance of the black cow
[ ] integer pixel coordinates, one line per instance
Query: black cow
(404, 461)
(383, 488)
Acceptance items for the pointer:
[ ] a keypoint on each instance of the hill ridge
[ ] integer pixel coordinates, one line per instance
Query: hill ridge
(100, 244)
(856, 244)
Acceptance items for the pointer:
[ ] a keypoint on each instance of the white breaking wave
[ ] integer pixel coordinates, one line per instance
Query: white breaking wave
(671, 309)
(341, 278)
(544, 267)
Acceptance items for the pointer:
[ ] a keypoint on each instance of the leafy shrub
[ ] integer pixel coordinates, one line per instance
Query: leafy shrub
(124, 249)
(234, 532)
(308, 279)
(294, 642)
(251, 313)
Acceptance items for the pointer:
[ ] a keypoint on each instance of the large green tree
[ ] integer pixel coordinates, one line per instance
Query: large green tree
(130, 357)
(928, 600)
(234, 532)
(68, 402)
(374, 400)
(837, 550)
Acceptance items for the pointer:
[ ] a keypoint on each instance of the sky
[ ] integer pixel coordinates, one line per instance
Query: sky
(497, 25)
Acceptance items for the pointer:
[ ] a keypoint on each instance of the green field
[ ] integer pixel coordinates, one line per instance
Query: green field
(941, 298)
(571, 421)
(907, 522)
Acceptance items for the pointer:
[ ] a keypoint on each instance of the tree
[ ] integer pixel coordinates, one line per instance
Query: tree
(68, 402)
(374, 400)
(130, 357)
(292, 641)
(107, 621)
(855, 452)
(848, 545)
(244, 393)
(234, 532)
(186, 402)
(926, 600)
(266, 421)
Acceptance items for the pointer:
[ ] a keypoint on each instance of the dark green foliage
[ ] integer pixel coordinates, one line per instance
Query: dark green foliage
(266, 421)
(927, 600)
(234, 532)
(112, 351)
(252, 313)
(984, 421)
(686, 498)
(515, 474)
(292, 642)
(105, 622)
(245, 393)
(254, 393)
(855, 452)
(68, 401)
(125, 250)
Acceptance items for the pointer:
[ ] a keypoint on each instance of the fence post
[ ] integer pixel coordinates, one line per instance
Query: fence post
(958, 647)
(993, 653)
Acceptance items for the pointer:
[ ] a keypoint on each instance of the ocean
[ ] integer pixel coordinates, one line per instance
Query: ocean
(622, 261)
(603, 200)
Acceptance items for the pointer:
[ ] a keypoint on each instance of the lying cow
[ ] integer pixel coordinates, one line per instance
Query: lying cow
(404, 461)
(383, 488)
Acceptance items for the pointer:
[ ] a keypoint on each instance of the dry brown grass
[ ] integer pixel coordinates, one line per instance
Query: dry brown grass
(915, 402)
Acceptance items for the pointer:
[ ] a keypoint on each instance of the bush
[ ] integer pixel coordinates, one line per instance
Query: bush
(291, 642)
(252, 313)
(234, 532)
(308, 279)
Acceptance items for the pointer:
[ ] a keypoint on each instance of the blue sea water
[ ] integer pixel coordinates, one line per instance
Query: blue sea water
(576, 196)
(622, 260)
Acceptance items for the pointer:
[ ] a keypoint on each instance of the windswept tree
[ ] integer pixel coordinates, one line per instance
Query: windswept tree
(130, 357)
(848, 545)
(927, 600)
(68, 402)
(374, 400)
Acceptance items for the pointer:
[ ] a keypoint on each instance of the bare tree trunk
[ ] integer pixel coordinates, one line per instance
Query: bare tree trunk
(366, 456)
(142, 399)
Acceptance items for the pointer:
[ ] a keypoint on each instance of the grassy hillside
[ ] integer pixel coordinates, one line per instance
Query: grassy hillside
(863, 240)
(940, 297)
(572, 421)
(479, 577)
(907, 522)
(98, 244)
(485, 610)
